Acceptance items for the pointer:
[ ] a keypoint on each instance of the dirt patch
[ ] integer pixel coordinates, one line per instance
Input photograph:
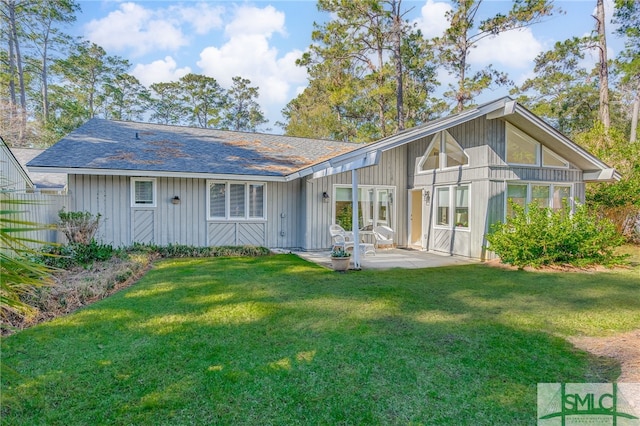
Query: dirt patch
(496, 263)
(624, 348)
(78, 287)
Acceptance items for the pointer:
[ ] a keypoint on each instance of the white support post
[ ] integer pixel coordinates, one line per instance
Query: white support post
(356, 225)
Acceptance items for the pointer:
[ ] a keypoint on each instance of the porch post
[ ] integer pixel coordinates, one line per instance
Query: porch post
(355, 225)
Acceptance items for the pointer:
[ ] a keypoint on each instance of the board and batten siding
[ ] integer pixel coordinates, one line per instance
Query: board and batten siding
(41, 209)
(14, 177)
(186, 222)
(391, 171)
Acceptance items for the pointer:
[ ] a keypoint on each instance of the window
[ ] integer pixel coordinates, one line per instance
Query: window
(143, 192)
(236, 200)
(551, 159)
(444, 151)
(544, 195)
(452, 199)
(523, 149)
(462, 207)
(442, 216)
(375, 207)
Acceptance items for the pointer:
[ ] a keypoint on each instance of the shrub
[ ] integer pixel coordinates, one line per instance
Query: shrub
(78, 227)
(181, 250)
(539, 236)
(76, 254)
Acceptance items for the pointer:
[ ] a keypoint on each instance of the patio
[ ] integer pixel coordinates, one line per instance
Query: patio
(393, 258)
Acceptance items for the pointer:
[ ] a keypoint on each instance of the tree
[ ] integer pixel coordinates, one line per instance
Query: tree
(460, 38)
(562, 91)
(206, 100)
(167, 103)
(243, 113)
(45, 37)
(124, 98)
(627, 15)
(83, 77)
(603, 65)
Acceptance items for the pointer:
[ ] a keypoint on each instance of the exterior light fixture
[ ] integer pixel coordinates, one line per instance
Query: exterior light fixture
(325, 197)
(175, 200)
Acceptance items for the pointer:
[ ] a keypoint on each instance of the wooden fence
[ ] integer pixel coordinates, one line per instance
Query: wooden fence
(38, 208)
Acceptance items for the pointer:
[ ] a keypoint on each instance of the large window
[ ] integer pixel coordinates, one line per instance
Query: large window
(143, 192)
(454, 200)
(236, 200)
(375, 207)
(444, 151)
(525, 150)
(544, 195)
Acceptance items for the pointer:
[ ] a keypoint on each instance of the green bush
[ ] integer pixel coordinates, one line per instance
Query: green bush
(75, 254)
(539, 236)
(181, 250)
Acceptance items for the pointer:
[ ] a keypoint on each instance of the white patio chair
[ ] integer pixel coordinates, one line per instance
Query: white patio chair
(383, 235)
(340, 237)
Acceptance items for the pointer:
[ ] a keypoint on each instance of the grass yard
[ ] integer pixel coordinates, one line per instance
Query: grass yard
(278, 340)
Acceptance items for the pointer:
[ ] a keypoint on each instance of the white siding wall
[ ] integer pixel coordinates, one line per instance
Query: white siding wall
(40, 209)
(12, 176)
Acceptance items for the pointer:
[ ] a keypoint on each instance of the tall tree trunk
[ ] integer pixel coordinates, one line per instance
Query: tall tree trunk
(397, 56)
(45, 88)
(634, 119)
(603, 68)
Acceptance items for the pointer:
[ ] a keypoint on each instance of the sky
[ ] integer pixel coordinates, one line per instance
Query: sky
(260, 40)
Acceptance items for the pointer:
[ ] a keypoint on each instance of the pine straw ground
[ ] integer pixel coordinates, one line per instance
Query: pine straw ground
(80, 287)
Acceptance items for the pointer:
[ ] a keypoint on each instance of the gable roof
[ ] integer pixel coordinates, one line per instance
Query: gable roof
(13, 168)
(47, 181)
(504, 108)
(144, 149)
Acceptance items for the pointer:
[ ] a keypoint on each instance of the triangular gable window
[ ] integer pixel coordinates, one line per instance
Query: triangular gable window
(551, 159)
(444, 151)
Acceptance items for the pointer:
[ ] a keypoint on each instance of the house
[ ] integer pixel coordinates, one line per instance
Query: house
(47, 183)
(439, 186)
(14, 177)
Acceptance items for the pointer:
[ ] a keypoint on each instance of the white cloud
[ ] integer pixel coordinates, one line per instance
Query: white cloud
(162, 70)
(249, 53)
(141, 30)
(513, 49)
(432, 21)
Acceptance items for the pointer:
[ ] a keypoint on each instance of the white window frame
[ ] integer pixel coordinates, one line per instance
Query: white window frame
(453, 190)
(541, 150)
(376, 190)
(134, 202)
(440, 138)
(227, 201)
(530, 184)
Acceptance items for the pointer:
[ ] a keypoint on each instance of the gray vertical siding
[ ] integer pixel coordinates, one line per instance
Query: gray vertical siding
(391, 171)
(13, 176)
(41, 209)
(184, 223)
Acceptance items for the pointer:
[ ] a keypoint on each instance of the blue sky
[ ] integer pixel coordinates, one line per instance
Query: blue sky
(260, 40)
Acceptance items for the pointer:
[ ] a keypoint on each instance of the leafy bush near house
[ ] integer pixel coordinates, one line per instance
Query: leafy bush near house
(78, 227)
(181, 250)
(539, 236)
(76, 254)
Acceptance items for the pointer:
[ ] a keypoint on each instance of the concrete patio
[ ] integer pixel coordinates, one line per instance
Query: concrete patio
(393, 258)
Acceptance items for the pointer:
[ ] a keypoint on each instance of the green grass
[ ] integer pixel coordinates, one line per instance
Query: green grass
(277, 340)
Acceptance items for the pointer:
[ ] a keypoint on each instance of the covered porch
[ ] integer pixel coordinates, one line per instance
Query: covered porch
(393, 258)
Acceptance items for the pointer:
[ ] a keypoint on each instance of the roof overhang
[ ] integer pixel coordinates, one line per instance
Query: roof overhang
(152, 173)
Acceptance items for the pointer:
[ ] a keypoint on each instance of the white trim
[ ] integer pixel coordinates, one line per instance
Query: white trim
(228, 218)
(441, 138)
(152, 173)
(154, 192)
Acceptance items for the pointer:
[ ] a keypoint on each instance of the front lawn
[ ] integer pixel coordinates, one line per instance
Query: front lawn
(278, 340)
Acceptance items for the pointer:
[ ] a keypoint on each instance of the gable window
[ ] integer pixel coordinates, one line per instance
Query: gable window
(553, 196)
(235, 200)
(454, 200)
(375, 207)
(444, 151)
(143, 192)
(522, 149)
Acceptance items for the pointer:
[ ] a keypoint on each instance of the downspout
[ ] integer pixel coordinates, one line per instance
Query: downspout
(355, 225)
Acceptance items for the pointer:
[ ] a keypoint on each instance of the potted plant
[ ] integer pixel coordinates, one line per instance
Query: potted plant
(340, 259)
